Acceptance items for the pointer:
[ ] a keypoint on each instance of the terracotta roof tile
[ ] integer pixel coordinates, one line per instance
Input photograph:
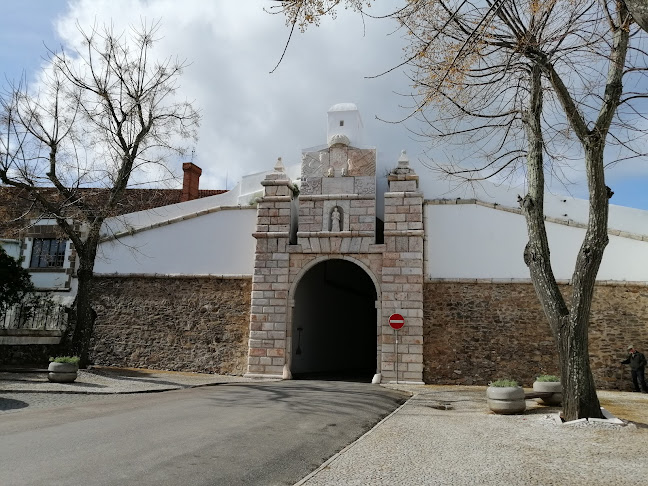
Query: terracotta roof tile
(16, 207)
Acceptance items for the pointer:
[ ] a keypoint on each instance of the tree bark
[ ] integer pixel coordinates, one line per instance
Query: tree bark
(84, 314)
(639, 11)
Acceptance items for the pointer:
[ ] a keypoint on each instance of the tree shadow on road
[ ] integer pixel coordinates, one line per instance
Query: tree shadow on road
(7, 404)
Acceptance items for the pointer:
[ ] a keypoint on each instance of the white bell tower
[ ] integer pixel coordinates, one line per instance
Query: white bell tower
(344, 121)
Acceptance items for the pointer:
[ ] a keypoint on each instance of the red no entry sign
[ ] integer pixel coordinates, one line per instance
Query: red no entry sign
(396, 321)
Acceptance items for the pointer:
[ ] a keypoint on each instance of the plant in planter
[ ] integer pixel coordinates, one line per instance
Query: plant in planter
(63, 369)
(505, 397)
(546, 384)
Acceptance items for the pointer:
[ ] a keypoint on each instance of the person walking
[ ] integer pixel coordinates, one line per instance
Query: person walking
(637, 362)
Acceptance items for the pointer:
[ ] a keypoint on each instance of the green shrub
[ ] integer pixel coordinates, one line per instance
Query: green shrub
(547, 378)
(503, 383)
(66, 359)
(15, 283)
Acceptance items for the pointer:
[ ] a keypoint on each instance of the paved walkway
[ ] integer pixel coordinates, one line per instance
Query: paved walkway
(445, 436)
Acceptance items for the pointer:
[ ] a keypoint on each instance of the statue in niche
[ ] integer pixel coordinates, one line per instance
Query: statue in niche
(331, 172)
(335, 220)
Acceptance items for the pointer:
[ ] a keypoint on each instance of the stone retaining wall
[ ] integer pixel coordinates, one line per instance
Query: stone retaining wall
(172, 323)
(477, 332)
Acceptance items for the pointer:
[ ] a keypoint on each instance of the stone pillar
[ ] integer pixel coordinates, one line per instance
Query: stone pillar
(402, 275)
(268, 313)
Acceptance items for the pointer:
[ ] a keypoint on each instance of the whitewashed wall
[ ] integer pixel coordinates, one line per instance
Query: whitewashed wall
(470, 241)
(11, 247)
(219, 243)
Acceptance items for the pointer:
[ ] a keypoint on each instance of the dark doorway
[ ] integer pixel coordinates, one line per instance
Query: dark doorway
(334, 323)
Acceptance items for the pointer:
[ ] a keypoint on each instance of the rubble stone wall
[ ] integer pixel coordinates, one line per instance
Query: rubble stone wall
(477, 332)
(172, 323)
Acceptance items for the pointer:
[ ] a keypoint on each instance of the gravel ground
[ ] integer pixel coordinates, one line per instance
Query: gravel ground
(446, 436)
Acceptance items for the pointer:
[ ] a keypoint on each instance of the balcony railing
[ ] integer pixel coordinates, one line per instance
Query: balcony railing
(35, 314)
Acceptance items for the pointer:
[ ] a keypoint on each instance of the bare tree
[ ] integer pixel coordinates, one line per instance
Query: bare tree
(97, 117)
(529, 85)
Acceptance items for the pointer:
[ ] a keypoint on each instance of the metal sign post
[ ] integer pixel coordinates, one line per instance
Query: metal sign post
(396, 321)
(396, 356)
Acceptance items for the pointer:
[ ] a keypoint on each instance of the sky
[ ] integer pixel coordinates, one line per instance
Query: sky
(251, 116)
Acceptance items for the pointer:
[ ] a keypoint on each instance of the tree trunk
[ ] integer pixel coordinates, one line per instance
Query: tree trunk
(576, 374)
(84, 314)
(578, 387)
(569, 326)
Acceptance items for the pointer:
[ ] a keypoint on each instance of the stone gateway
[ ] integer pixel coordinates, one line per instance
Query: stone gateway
(323, 271)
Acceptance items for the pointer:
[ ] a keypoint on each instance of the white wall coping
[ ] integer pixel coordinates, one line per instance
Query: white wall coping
(613, 283)
(550, 219)
(185, 217)
(175, 275)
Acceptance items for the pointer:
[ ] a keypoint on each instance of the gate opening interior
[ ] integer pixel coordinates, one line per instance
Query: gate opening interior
(334, 323)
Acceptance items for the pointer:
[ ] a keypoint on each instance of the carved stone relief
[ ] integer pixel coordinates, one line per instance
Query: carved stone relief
(338, 158)
(365, 185)
(314, 164)
(361, 162)
(311, 185)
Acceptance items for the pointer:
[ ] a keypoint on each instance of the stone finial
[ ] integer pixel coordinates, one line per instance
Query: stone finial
(279, 167)
(402, 178)
(403, 160)
(330, 172)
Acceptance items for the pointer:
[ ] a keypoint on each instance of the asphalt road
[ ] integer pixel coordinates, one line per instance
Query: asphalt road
(261, 433)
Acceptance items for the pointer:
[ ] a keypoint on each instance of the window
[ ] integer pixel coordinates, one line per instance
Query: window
(47, 253)
(341, 123)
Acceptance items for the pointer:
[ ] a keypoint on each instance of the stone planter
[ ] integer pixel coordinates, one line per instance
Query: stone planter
(549, 386)
(62, 372)
(506, 400)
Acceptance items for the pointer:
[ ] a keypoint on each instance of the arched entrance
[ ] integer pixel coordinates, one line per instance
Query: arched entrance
(334, 330)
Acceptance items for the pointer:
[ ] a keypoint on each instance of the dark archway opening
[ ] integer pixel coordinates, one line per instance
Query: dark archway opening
(334, 323)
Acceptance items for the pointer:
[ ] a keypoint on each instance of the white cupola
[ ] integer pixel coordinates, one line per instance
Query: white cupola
(344, 125)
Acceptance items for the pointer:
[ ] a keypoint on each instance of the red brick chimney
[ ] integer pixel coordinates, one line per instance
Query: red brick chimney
(190, 182)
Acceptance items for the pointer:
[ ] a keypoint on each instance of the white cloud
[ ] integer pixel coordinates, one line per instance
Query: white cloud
(250, 117)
